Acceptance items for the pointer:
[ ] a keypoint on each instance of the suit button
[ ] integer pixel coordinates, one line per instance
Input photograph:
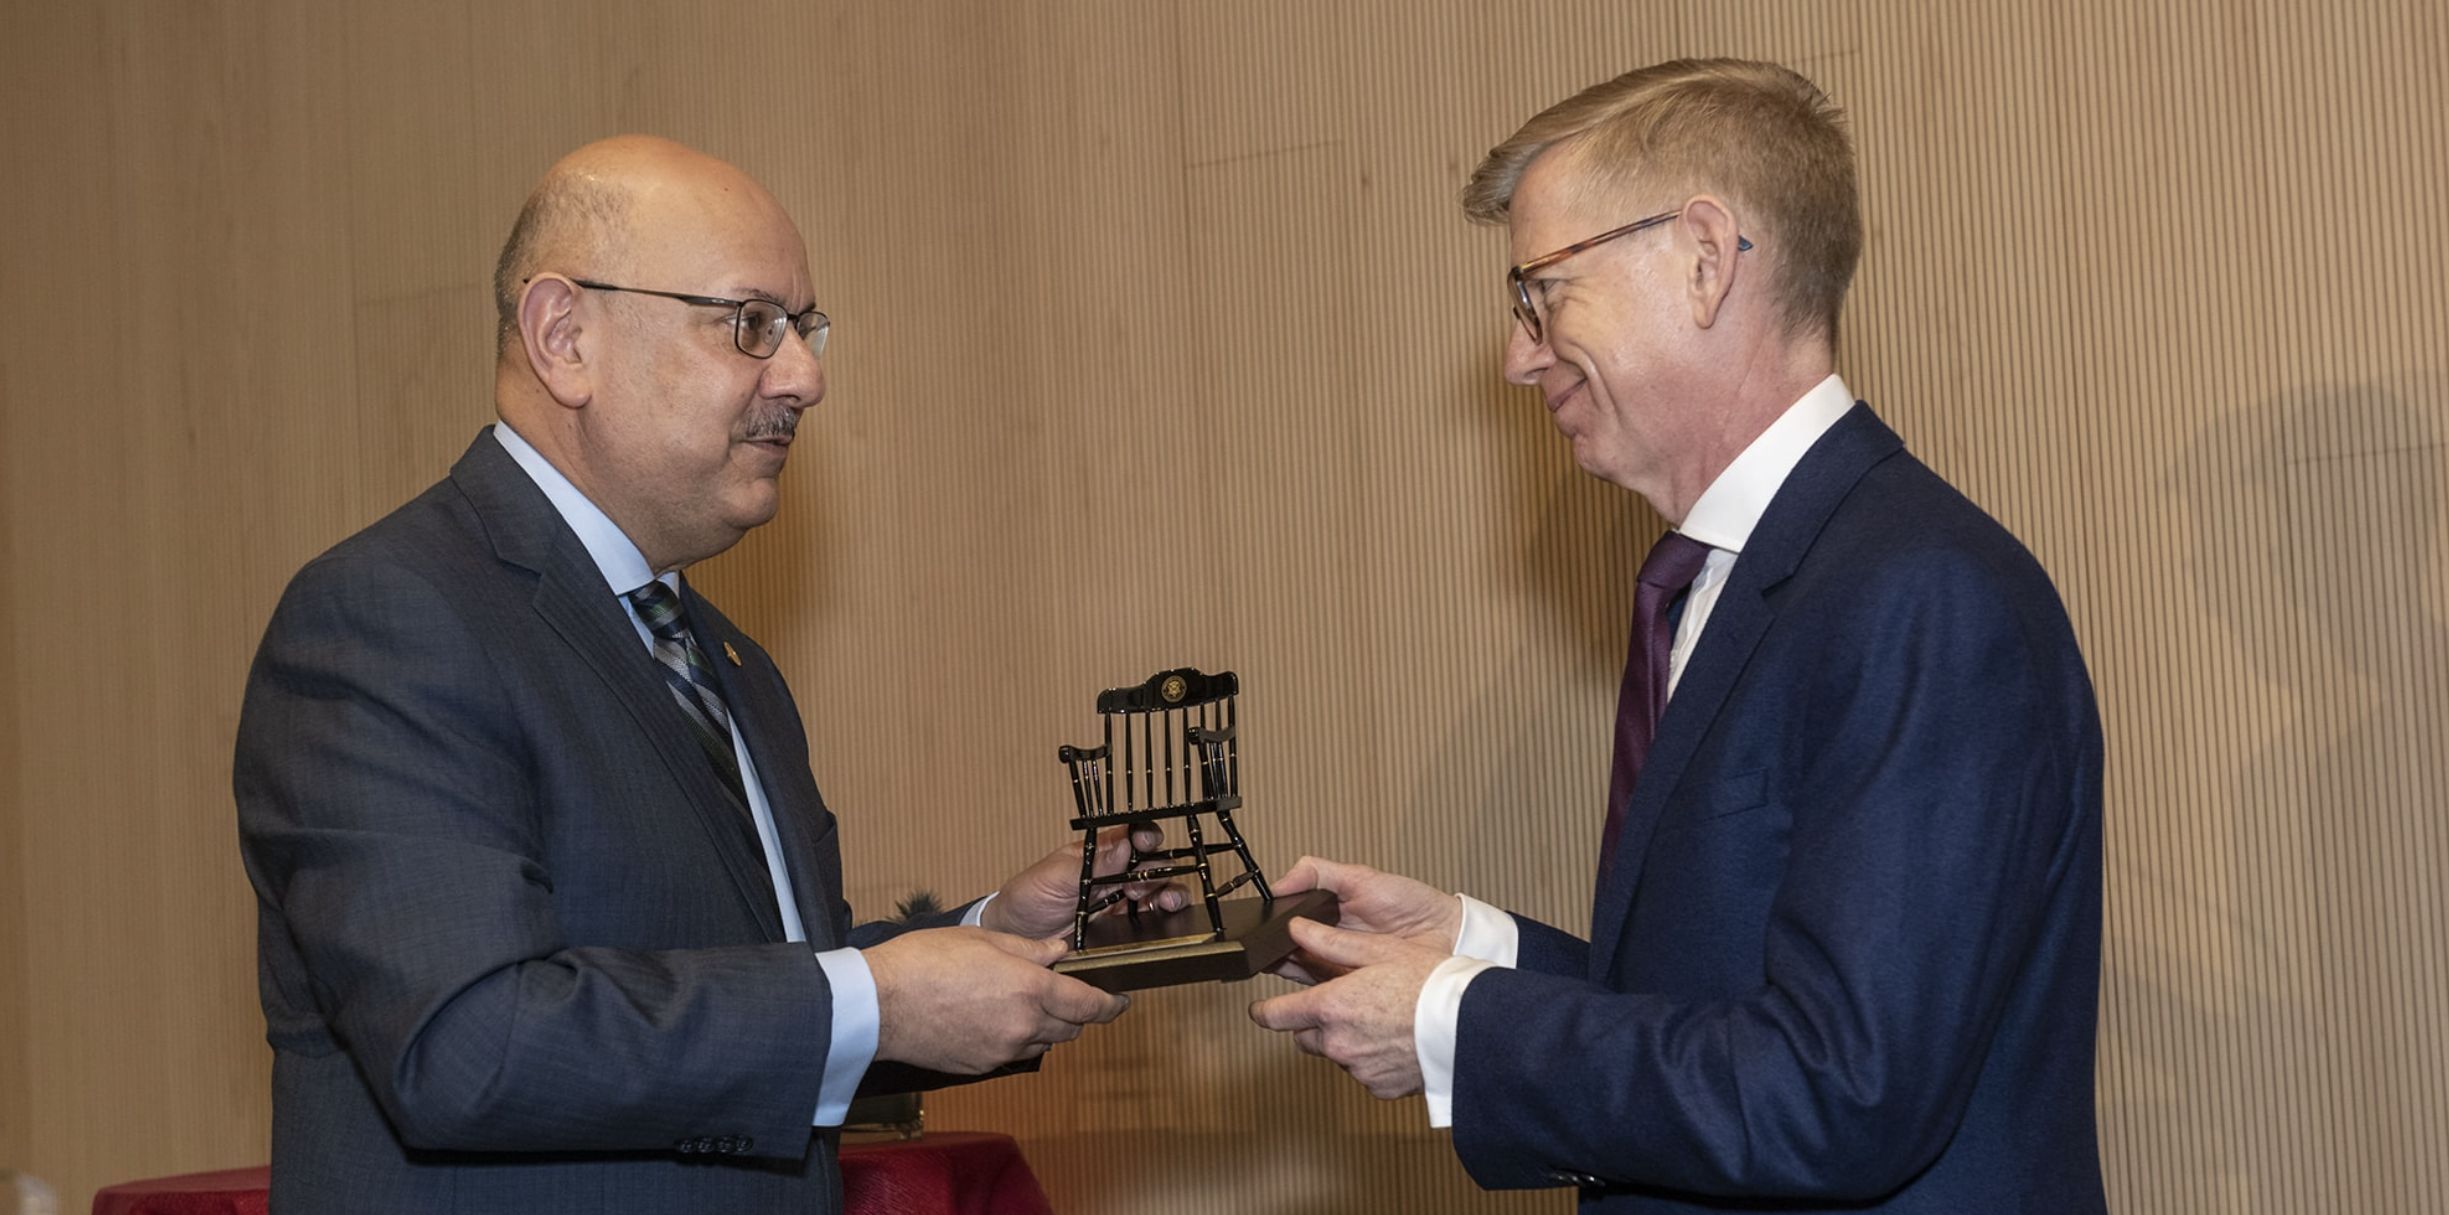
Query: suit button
(743, 1145)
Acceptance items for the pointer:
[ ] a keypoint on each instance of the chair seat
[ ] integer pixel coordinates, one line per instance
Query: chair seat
(1157, 815)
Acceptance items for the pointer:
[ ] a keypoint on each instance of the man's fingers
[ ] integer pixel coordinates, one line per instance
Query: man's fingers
(1109, 1005)
(1302, 876)
(1289, 1012)
(1036, 951)
(1076, 1004)
(1169, 896)
(1115, 844)
(946, 1003)
(1341, 948)
(1291, 968)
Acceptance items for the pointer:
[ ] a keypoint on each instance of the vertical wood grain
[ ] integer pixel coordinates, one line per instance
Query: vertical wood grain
(1160, 340)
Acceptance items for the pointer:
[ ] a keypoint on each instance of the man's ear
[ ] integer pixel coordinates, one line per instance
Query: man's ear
(549, 329)
(1716, 239)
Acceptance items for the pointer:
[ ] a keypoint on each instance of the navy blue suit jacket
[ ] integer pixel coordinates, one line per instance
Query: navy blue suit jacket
(518, 950)
(1849, 956)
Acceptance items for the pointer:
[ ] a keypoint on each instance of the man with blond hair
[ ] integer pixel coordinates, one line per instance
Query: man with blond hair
(1845, 941)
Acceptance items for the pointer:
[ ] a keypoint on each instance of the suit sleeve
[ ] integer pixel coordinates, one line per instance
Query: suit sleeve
(1551, 951)
(1921, 819)
(390, 816)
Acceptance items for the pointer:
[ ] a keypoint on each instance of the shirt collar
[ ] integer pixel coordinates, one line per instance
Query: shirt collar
(616, 557)
(1732, 505)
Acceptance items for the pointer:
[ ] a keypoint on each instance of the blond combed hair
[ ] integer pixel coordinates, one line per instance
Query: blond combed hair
(1758, 134)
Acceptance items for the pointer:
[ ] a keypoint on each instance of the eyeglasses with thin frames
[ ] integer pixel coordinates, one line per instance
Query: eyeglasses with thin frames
(1526, 308)
(756, 325)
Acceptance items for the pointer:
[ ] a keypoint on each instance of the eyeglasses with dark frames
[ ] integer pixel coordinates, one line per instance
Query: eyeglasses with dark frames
(756, 325)
(1526, 308)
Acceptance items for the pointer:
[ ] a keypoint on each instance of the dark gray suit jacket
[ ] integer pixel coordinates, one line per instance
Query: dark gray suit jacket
(1849, 956)
(518, 949)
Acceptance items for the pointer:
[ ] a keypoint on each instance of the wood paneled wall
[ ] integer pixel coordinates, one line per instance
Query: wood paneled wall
(1161, 341)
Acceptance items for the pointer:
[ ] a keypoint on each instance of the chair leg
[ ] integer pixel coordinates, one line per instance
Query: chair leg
(1224, 819)
(1207, 880)
(1088, 875)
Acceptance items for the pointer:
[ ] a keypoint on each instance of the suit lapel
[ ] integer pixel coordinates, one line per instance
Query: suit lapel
(1742, 616)
(761, 712)
(573, 601)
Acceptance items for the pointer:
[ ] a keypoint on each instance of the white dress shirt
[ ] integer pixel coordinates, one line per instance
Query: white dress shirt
(1723, 519)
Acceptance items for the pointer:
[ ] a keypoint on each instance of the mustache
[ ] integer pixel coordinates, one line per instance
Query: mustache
(780, 424)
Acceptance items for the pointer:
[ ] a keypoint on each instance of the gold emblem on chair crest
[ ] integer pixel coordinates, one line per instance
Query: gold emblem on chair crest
(1173, 689)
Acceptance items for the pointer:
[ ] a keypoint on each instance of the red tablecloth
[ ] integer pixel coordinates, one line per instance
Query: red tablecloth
(952, 1172)
(230, 1192)
(943, 1173)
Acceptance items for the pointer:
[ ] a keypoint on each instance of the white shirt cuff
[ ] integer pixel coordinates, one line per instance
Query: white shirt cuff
(1488, 938)
(854, 1032)
(1488, 933)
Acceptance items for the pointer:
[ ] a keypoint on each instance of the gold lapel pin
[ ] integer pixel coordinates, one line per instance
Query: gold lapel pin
(732, 654)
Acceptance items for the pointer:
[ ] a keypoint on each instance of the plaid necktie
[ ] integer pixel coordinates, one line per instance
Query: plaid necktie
(691, 679)
(1670, 568)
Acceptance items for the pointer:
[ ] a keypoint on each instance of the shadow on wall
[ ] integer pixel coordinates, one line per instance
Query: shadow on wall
(2322, 1079)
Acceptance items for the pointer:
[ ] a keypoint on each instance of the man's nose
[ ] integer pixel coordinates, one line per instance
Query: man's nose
(795, 375)
(1524, 357)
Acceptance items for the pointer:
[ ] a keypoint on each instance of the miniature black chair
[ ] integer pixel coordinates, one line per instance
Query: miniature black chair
(1178, 761)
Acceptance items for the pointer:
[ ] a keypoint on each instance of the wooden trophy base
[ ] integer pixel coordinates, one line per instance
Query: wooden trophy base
(1174, 948)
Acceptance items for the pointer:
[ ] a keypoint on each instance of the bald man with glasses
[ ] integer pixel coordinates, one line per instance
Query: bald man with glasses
(550, 910)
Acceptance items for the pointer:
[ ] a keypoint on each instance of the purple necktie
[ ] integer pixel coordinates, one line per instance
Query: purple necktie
(1671, 566)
